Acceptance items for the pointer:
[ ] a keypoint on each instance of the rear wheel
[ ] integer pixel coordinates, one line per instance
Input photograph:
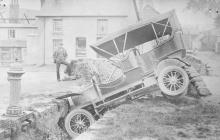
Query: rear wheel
(78, 121)
(173, 81)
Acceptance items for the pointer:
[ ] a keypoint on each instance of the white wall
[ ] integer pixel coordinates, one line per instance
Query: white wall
(33, 50)
(120, 13)
(23, 33)
(3, 33)
(78, 27)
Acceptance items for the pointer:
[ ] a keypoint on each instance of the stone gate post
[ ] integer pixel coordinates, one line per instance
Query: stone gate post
(14, 77)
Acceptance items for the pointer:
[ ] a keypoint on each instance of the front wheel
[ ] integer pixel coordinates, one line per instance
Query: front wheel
(173, 81)
(78, 121)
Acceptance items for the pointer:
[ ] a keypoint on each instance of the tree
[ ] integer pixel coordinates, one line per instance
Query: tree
(2, 7)
(208, 7)
(2, 4)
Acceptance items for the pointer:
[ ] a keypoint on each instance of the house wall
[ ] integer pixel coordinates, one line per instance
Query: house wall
(77, 27)
(80, 20)
(21, 40)
(20, 32)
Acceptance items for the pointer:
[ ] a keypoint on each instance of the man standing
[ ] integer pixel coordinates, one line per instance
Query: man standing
(59, 57)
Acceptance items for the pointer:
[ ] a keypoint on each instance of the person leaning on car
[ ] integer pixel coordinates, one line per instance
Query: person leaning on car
(59, 57)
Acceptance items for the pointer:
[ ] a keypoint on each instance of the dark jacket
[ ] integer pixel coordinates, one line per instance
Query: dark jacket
(60, 55)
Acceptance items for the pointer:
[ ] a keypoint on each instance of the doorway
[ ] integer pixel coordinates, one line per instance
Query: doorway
(9, 54)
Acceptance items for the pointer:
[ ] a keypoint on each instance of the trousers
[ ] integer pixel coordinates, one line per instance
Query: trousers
(58, 64)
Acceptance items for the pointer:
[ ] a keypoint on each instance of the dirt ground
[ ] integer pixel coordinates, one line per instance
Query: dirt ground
(212, 81)
(157, 118)
(160, 119)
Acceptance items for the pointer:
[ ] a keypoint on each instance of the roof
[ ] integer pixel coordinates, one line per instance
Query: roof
(66, 14)
(86, 8)
(27, 17)
(28, 12)
(15, 25)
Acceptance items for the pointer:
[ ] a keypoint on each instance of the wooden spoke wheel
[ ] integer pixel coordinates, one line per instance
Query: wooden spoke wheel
(173, 81)
(78, 121)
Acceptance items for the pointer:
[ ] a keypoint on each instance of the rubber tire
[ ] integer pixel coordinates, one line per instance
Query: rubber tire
(168, 62)
(73, 113)
(167, 92)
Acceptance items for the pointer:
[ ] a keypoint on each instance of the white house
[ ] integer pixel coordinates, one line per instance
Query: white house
(78, 23)
(16, 43)
(17, 27)
(32, 36)
(74, 23)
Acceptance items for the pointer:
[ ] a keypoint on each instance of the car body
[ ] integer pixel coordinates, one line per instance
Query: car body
(146, 55)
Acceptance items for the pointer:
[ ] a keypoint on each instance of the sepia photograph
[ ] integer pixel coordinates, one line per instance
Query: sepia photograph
(109, 69)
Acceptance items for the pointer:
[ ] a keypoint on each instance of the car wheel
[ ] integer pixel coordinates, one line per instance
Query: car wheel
(78, 121)
(173, 81)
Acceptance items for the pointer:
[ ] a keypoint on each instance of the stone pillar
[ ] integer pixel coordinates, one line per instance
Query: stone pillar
(14, 77)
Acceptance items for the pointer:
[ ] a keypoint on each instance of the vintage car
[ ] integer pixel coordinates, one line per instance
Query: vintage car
(146, 56)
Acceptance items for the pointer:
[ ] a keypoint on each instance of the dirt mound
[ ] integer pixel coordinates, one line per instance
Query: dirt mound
(161, 119)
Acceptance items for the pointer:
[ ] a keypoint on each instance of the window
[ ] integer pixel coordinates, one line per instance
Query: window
(102, 30)
(9, 55)
(102, 27)
(80, 47)
(11, 33)
(57, 43)
(5, 54)
(14, 1)
(81, 42)
(57, 25)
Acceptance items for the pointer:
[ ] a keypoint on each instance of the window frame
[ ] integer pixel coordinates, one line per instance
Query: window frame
(84, 43)
(81, 51)
(57, 25)
(103, 22)
(11, 33)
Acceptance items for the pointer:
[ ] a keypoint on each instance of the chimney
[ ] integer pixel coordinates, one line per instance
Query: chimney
(14, 11)
(42, 3)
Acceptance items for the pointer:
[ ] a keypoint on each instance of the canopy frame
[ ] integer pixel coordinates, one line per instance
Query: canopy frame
(116, 46)
(166, 26)
(119, 40)
(104, 51)
(125, 40)
(155, 33)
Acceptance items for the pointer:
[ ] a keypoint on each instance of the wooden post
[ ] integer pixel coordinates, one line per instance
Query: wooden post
(136, 10)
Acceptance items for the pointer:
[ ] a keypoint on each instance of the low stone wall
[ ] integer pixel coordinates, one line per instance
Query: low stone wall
(39, 123)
